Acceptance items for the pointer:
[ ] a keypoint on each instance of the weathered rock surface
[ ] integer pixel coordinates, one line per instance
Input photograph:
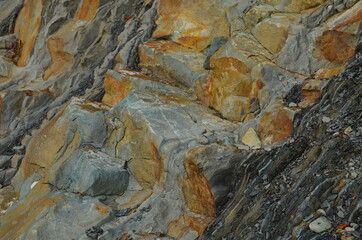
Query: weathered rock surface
(170, 119)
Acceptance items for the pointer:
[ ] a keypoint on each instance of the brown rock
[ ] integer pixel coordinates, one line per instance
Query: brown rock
(272, 33)
(195, 187)
(27, 28)
(147, 171)
(275, 126)
(336, 46)
(115, 91)
(178, 227)
(228, 78)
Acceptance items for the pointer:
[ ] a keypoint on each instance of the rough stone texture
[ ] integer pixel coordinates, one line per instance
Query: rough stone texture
(170, 119)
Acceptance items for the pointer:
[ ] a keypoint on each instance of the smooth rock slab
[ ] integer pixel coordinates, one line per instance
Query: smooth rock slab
(93, 173)
(320, 225)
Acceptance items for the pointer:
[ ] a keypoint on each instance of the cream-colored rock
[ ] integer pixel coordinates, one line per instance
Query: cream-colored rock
(251, 139)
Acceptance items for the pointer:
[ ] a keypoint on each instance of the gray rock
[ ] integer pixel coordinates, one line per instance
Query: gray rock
(92, 173)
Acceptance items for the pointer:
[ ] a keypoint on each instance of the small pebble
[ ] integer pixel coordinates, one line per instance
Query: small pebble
(350, 164)
(326, 119)
(292, 104)
(320, 225)
(349, 229)
(353, 175)
(322, 212)
(348, 130)
(340, 214)
(336, 134)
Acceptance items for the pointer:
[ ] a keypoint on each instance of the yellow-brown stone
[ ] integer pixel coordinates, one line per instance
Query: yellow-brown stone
(145, 165)
(228, 78)
(272, 33)
(251, 139)
(196, 24)
(177, 228)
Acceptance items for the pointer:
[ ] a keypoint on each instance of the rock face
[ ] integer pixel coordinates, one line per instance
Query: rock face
(170, 119)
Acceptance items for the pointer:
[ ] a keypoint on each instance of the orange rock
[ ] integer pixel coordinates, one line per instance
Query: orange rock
(177, 228)
(27, 28)
(115, 91)
(334, 46)
(195, 187)
(196, 24)
(275, 126)
(228, 78)
(343, 226)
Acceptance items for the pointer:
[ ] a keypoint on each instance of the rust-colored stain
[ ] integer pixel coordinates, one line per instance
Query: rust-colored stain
(177, 228)
(87, 10)
(102, 210)
(27, 28)
(158, 161)
(196, 190)
(275, 126)
(115, 91)
(334, 46)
